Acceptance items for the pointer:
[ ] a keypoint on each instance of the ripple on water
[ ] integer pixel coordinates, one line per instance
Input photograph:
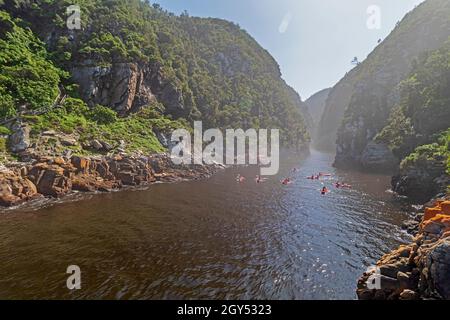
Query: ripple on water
(206, 239)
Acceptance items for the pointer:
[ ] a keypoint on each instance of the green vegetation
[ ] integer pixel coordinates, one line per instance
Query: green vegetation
(136, 130)
(432, 161)
(103, 115)
(436, 154)
(4, 131)
(31, 79)
(362, 100)
(418, 130)
(424, 109)
(2, 145)
(225, 77)
(27, 77)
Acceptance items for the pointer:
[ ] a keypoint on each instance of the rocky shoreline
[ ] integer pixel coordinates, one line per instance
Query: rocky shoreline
(55, 177)
(419, 270)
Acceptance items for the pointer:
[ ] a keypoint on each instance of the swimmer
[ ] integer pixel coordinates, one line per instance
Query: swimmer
(259, 179)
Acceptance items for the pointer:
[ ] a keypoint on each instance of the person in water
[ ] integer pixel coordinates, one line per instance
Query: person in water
(338, 185)
(286, 181)
(240, 178)
(259, 179)
(324, 191)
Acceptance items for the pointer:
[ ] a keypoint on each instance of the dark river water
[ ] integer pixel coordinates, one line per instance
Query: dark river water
(206, 239)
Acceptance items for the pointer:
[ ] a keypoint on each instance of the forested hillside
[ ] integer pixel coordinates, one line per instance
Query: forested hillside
(360, 104)
(418, 130)
(133, 71)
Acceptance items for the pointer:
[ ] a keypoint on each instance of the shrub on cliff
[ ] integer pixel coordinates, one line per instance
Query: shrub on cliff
(103, 115)
(433, 158)
(76, 106)
(4, 131)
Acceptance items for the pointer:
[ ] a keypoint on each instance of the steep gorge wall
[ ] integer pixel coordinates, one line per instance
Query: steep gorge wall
(359, 105)
(316, 105)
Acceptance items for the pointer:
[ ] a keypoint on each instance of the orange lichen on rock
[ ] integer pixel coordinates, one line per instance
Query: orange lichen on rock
(445, 206)
(423, 274)
(431, 213)
(439, 213)
(436, 225)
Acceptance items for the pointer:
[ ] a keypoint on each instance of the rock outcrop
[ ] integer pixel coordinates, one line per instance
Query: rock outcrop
(15, 187)
(127, 87)
(57, 176)
(19, 140)
(421, 183)
(420, 270)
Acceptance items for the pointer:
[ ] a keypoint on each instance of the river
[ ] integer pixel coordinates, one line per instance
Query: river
(206, 239)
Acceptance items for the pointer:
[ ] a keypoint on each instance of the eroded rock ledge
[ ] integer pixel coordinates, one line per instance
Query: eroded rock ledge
(420, 270)
(58, 176)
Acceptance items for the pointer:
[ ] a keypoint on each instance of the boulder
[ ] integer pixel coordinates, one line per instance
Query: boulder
(15, 188)
(127, 178)
(81, 164)
(408, 295)
(96, 145)
(19, 140)
(51, 180)
(68, 141)
(106, 146)
(438, 264)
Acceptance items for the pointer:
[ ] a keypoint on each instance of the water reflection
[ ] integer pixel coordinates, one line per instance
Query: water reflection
(206, 239)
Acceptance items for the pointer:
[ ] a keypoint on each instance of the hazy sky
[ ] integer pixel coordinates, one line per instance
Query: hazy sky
(314, 41)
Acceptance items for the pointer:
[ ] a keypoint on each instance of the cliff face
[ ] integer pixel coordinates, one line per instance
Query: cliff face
(359, 105)
(127, 87)
(316, 105)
